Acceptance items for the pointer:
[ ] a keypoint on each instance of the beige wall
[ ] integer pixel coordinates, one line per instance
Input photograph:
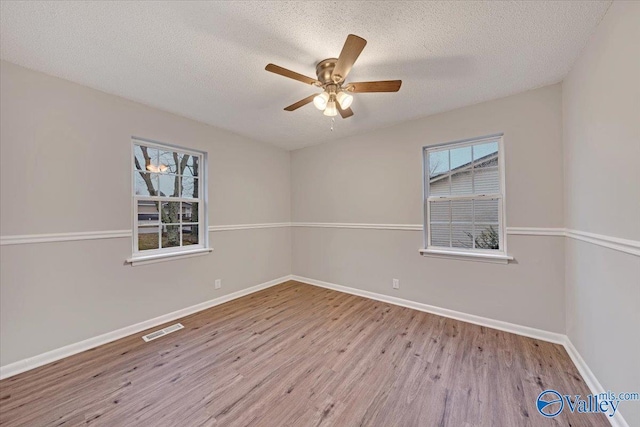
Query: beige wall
(78, 142)
(65, 167)
(601, 109)
(377, 178)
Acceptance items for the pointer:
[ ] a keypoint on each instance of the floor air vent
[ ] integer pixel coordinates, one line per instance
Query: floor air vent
(162, 332)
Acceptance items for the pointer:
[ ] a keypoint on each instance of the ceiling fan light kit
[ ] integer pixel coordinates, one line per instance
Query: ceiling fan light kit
(331, 74)
(321, 100)
(344, 99)
(331, 109)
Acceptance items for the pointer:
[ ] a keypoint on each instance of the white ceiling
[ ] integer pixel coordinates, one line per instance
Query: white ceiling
(205, 60)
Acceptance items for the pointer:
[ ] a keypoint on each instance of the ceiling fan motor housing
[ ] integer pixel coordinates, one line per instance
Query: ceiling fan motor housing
(324, 69)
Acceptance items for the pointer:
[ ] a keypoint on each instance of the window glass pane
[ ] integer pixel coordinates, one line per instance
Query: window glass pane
(148, 212)
(193, 166)
(462, 211)
(438, 163)
(460, 158)
(487, 211)
(145, 158)
(486, 180)
(440, 217)
(169, 185)
(169, 161)
(461, 183)
(440, 235)
(170, 236)
(484, 152)
(189, 211)
(146, 184)
(439, 186)
(170, 212)
(439, 173)
(189, 234)
(486, 176)
(440, 211)
(461, 236)
(486, 236)
(461, 171)
(189, 187)
(148, 238)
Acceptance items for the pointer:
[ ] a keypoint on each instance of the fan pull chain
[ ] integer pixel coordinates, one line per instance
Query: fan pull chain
(333, 120)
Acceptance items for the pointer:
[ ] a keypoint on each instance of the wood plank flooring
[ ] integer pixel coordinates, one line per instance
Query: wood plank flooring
(299, 355)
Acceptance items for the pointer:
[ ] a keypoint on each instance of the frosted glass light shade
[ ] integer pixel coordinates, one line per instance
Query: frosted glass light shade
(320, 101)
(344, 99)
(331, 109)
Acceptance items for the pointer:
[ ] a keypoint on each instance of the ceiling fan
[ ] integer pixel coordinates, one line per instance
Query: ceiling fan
(331, 74)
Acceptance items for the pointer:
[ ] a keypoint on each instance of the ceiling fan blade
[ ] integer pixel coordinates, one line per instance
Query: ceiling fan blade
(380, 86)
(301, 103)
(346, 113)
(350, 52)
(291, 74)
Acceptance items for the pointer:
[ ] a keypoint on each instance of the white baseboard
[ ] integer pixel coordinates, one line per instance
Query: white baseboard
(590, 379)
(69, 350)
(526, 331)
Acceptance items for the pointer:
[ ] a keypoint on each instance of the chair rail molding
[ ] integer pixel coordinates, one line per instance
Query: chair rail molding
(24, 239)
(628, 246)
(214, 228)
(63, 237)
(401, 227)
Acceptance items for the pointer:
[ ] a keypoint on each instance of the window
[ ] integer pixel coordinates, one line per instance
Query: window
(169, 201)
(464, 198)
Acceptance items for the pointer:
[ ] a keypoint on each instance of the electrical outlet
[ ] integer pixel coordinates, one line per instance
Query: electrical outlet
(218, 284)
(396, 284)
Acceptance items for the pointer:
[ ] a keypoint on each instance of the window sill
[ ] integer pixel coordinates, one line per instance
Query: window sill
(150, 259)
(468, 256)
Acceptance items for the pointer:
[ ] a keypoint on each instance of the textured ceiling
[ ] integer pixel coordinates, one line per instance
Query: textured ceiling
(205, 60)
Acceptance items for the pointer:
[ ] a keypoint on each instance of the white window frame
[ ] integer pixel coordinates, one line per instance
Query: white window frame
(161, 254)
(488, 255)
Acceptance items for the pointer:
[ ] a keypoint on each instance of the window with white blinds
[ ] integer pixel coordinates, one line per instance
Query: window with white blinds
(464, 196)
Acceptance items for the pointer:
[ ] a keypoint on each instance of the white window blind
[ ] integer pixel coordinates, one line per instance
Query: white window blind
(464, 196)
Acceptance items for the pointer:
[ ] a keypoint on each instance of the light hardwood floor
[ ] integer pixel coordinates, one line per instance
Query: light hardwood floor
(299, 355)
